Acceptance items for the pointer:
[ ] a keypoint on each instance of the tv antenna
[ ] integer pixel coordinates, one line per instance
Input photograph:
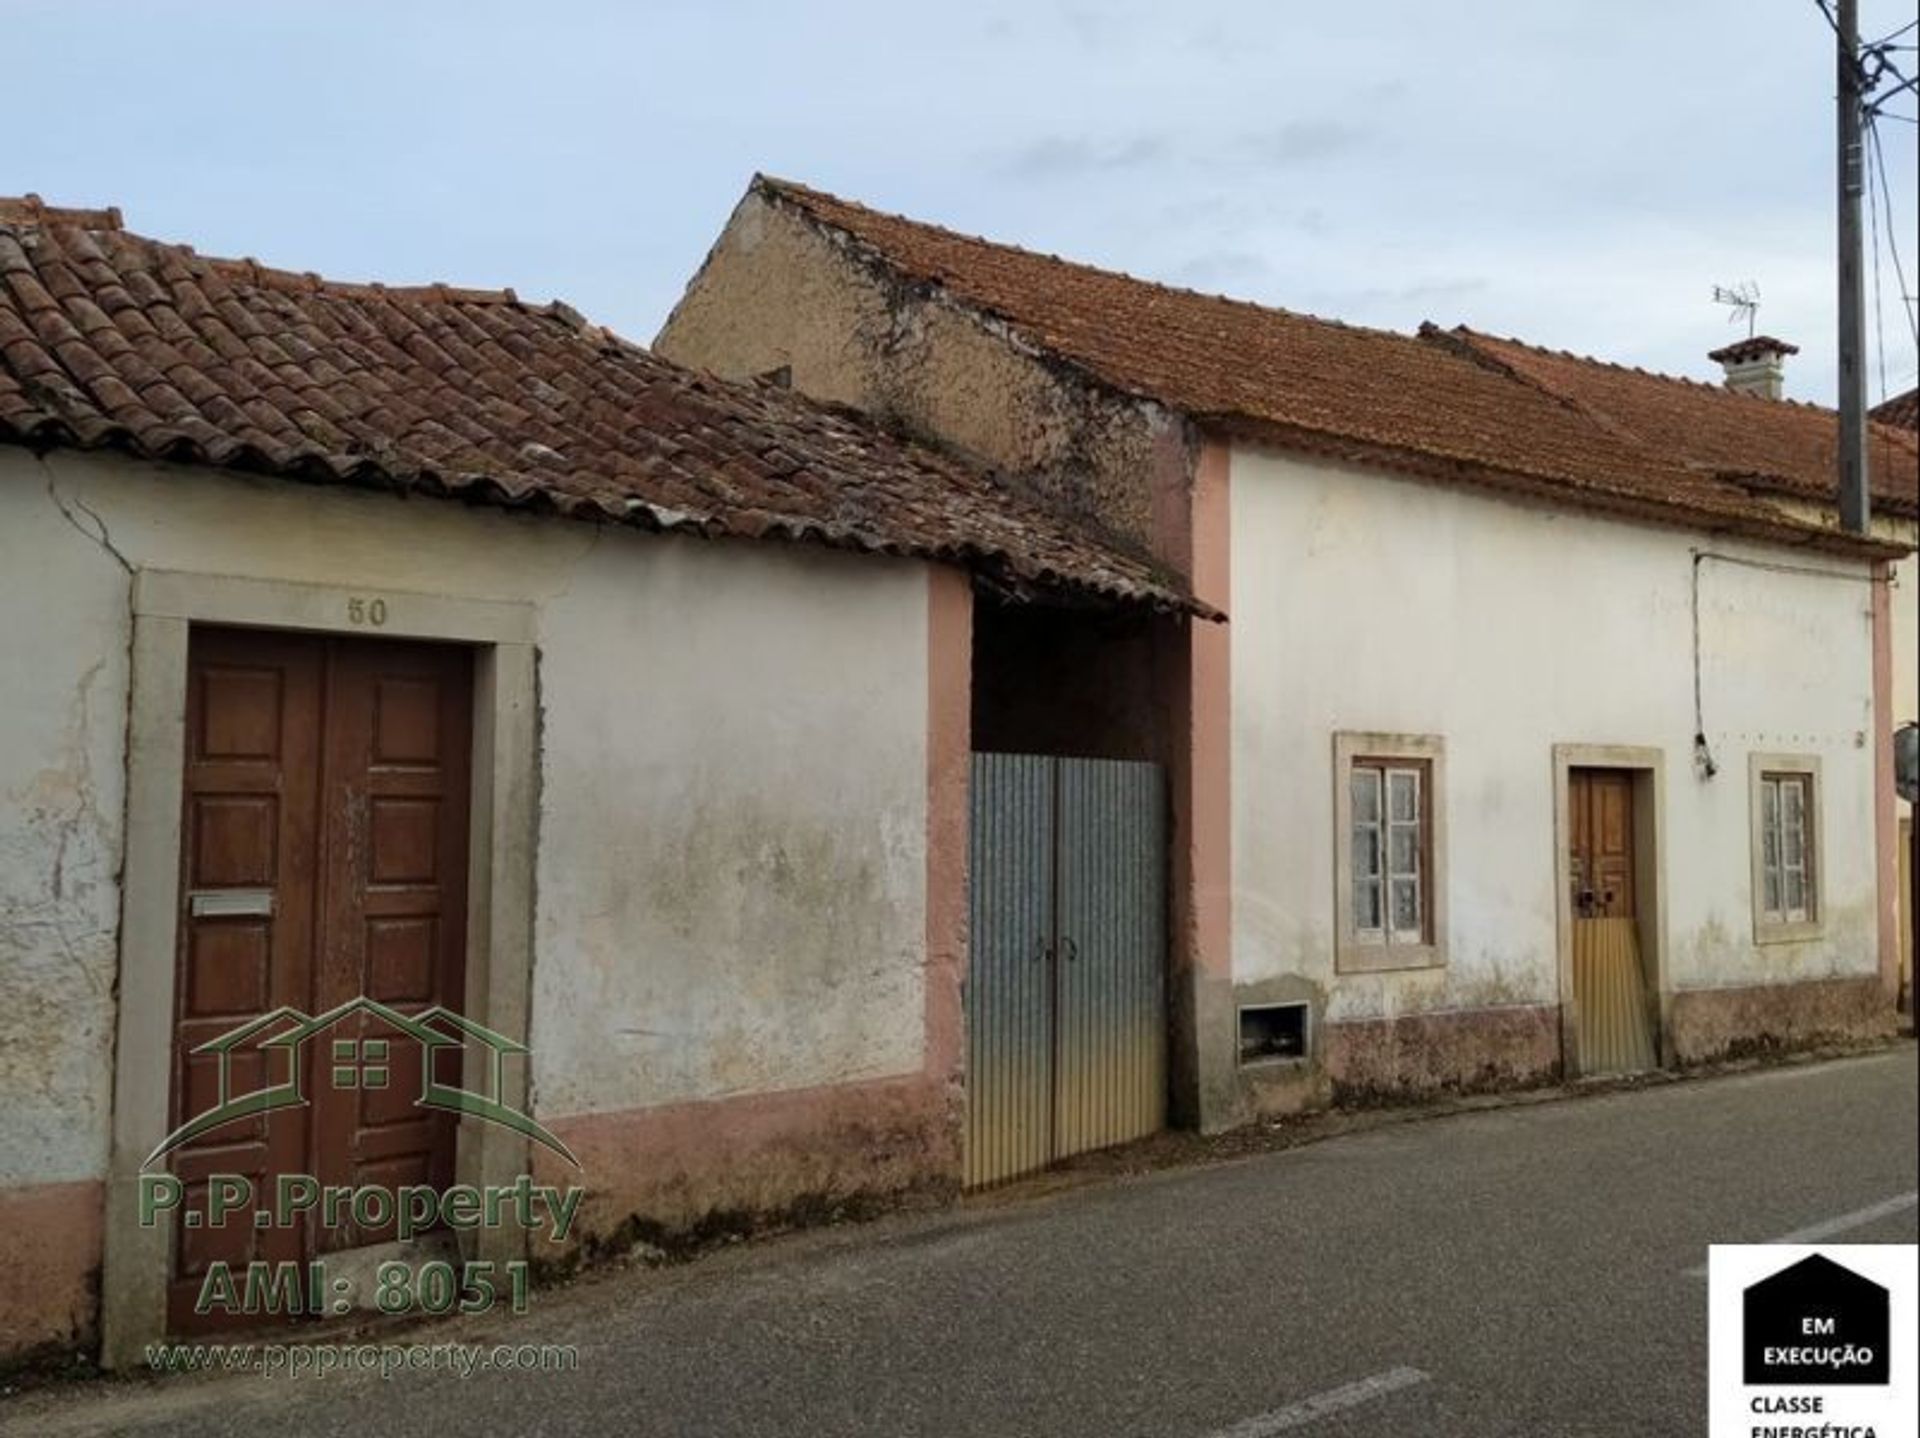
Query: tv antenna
(1742, 302)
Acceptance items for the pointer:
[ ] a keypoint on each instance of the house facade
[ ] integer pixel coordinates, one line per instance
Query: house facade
(438, 648)
(944, 710)
(1538, 741)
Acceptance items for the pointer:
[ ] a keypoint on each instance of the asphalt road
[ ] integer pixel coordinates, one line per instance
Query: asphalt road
(1515, 1271)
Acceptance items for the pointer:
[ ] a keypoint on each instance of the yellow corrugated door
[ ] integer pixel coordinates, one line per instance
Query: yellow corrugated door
(1609, 982)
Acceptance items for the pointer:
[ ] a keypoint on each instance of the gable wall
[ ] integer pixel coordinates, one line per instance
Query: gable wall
(779, 290)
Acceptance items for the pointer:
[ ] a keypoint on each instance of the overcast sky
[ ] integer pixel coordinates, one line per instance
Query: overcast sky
(1579, 173)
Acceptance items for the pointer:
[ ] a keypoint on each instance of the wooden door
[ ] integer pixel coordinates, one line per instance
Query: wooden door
(324, 857)
(1600, 803)
(1614, 1024)
(392, 907)
(248, 843)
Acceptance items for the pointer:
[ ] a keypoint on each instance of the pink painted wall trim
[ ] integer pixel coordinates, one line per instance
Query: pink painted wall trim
(1886, 818)
(674, 1163)
(949, 760)
(50, 1244)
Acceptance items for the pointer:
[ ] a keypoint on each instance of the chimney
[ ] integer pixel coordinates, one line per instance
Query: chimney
(1755, 366)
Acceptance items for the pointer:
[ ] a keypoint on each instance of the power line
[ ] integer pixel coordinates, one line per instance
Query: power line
(1878, 54)
(1879, 157)
(1904, 85)
(1879, 315)
(1852, 56)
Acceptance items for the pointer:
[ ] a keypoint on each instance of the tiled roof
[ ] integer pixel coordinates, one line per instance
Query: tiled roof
(1752, 347)
(109, 340)
(1373, 396)
(1902, 411)
(1768, 444)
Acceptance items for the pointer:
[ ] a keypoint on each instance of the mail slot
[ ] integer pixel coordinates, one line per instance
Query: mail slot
(230, 903)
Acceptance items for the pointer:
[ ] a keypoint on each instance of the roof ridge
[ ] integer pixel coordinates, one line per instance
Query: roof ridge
(270, 277)
(801, 194)
(30, 209)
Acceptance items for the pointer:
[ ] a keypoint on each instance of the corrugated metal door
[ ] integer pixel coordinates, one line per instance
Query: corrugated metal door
(1009, 970)
(1065, 993)
(1110, 1084)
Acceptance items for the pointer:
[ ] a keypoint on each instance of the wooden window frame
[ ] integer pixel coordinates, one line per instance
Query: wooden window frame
(1382, 949)
(1779, 925)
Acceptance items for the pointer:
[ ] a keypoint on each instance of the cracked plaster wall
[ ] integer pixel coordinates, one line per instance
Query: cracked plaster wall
(731, 861)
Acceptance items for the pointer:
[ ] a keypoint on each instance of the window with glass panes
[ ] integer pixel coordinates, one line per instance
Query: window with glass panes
(1786, 848)
(1390, 851)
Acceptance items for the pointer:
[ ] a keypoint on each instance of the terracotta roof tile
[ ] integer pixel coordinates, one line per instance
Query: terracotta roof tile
(1768, 444)
(1425, 404)
(1752, 347)
(111, 339)
(1902, 411)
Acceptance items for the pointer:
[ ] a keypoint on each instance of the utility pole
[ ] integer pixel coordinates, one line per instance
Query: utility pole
(1853, 367)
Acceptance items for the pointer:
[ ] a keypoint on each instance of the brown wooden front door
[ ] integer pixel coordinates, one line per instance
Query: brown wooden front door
(1600, 802)
(323, 857)
(1614, 1030)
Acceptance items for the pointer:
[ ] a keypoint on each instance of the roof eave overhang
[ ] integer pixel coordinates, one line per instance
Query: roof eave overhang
(997, 569)
(1553, 492)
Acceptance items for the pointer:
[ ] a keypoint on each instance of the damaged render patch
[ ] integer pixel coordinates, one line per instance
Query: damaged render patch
(1717, 1024)
(59, 916)
(1463, 1052)
(685, 1176)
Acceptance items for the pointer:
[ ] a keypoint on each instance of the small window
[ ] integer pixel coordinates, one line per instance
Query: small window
(1273, 1031)
(1784, 794)
(1391, 852)
(1786, 849)
(1389, 845)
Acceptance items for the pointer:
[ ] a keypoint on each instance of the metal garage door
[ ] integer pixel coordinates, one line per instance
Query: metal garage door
(1066, 1006)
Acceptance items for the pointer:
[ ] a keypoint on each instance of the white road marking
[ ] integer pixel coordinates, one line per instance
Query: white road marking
(1308, 1410)
(1859, 1218)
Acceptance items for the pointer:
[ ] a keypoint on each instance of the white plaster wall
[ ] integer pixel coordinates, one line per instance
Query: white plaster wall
(733, 807)
(1364, 602)
(733, 825)
(1905, 607)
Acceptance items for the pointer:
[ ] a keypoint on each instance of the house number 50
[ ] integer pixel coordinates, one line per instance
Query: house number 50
(367, 611)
